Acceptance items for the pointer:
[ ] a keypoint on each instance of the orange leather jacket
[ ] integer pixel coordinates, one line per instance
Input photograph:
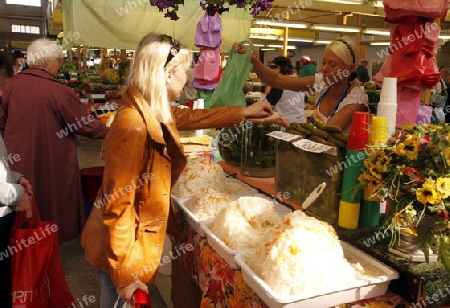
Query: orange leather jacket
(125, 232)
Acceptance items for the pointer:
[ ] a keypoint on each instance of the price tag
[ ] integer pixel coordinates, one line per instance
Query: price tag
(311, 146)
(283, 136)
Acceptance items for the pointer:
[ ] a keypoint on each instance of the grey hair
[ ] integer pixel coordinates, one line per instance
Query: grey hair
(42, 52)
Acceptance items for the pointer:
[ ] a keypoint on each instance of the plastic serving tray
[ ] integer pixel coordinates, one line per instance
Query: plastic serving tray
(223, 249)
(194, 221)
(365, 289)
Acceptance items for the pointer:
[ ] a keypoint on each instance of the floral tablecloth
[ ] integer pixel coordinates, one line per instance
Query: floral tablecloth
(223, 287)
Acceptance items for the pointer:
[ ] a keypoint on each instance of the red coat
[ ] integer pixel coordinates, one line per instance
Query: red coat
(39, 116)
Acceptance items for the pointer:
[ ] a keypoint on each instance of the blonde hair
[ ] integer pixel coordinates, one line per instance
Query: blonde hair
(148, 71)
(346, 49)
(42, 52)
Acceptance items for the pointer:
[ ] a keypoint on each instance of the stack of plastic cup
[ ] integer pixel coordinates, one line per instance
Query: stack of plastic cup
(387, 107)
(370, 205)
(378, 133)
(351, 191)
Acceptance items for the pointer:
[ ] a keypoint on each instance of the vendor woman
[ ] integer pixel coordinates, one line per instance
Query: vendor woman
(337, 91)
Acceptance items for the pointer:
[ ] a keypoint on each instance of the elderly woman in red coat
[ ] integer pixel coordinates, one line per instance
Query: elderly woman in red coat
(39, 117)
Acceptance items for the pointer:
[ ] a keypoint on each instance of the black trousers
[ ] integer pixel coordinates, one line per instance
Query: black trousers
(6, 224)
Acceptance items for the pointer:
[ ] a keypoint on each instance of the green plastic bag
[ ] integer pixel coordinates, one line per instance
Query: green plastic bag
(230, 89)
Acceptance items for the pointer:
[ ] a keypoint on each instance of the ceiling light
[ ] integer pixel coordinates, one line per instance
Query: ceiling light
(373, 31)
(282, 23)
(322, 42)
(335, 28)
(378, 4)
(384, 43)
(259, 45)
(267, 49)
(281, 46)
(298, 39)
(358, 2)
(264, 37)
(444, 37)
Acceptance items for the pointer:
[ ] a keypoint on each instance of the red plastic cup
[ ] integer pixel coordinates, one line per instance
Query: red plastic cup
(358, 137)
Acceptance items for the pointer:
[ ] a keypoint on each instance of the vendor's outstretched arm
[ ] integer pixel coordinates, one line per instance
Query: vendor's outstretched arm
(286, 82)
(273, 79)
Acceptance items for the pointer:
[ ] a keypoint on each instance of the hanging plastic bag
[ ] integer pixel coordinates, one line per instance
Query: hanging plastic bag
(413, 64)
(230, 89)
(397, 11)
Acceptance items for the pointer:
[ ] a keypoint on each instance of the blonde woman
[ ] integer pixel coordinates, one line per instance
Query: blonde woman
(123, 237)
(336, 88)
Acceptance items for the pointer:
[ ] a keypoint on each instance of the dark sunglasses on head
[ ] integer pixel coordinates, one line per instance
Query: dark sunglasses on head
(273, 66)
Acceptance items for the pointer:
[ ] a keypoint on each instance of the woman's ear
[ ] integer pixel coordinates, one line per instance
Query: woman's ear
(167, 77)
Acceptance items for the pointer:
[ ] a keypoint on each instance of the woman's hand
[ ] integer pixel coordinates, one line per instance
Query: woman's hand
(257, 110)
(240, 48)
(25, 205)
(26, 185)
(274, 118)
(126, 292)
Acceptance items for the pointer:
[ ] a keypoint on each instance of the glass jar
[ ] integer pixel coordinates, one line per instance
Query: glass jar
(229, 143)
(258, 150)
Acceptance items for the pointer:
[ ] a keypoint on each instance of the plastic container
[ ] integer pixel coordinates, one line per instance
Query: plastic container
(258, 150)
(363, 289)
(349, 205)
(223, 249)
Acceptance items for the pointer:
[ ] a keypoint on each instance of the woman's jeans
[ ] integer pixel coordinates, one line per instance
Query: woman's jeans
(108, 294)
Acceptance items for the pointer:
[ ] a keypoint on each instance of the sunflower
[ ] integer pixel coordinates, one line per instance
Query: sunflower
(428, 193)
(443, 187)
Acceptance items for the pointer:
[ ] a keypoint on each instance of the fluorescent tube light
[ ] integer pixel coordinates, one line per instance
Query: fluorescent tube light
(264, 37)
(373, 31)
(267, 49)
(282, 23)
(280, 46)
(322, 42)
(335, 28)
(297, 39)
(380, 43)
(358, 2)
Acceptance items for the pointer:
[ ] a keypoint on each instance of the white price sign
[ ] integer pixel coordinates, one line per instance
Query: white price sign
(283, 136)
(311, 146)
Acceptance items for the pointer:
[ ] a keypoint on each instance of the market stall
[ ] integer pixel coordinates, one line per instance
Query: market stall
(202, 277)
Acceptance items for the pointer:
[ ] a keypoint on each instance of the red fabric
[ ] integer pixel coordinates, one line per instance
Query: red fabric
(38, 279)
(91, 180)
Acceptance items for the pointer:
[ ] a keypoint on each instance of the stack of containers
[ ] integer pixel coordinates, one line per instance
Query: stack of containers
(370, 205)
(355, 154)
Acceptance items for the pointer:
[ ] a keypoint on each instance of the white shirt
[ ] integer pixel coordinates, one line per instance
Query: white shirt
(11, 193)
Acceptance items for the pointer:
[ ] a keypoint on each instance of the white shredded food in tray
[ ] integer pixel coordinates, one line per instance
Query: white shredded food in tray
(208, 204)
(243, 224)
(199, 174)
(303, 255)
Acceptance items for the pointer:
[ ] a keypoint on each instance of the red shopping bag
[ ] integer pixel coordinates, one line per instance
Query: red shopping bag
(38, 279)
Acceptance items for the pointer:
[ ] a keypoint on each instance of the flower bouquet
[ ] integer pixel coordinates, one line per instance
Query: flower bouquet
(412, 170)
